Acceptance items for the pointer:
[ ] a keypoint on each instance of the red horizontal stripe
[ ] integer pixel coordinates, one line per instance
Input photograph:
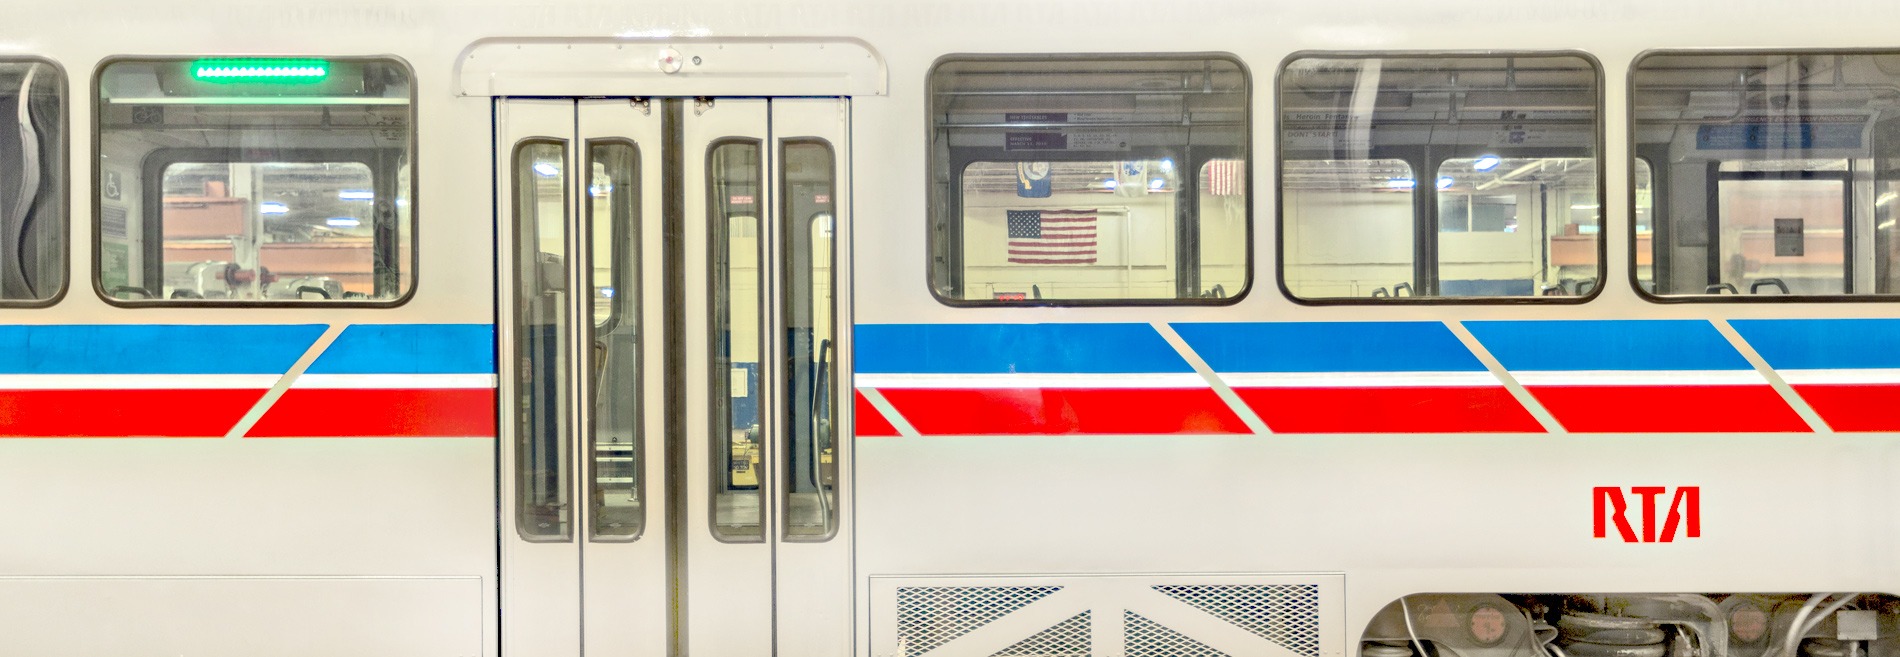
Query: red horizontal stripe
(1020, 411)
(122, 413)
(379, 412)
(1390, 410)
(1066, 220)
(870, 421)
(1669, 409)
(1854, 407)
(1068, 229)
(1051, 252)
(1052, 261)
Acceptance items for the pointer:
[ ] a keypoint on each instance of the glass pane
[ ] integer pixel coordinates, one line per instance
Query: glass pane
(269, 230)
(810, 345)
(1504, 203)
(1225, 240)
(1645, 191)
(613, 216)
(1774, 171)
(1347, 228)
(1087, 240)
(1063, 179)
(541, 329)
(733, 172)
(32, 177)
(287, 187)
(1784, 235)
(1517, 226)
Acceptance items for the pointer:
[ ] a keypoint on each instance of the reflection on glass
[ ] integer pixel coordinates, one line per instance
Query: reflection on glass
(1513, 227)
(1089, 178)
(1774, 172)
(269, 230)
(1347, 228)
(613, 206)
(543, 512)
(1645, 192)
(807, 213)
(1497, 155)
(32, 182)
(734, 197)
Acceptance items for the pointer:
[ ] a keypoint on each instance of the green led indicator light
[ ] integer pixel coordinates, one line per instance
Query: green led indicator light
(284, 71)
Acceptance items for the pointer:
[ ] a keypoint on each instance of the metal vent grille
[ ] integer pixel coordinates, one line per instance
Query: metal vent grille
(1069, 638)
(1146, 638)
(930, 616)
(1286, 614)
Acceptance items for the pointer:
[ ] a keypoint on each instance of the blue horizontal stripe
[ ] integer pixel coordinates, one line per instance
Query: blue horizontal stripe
(1609, 345)
(1330, 347)
(410, 349)
(1823, 344)
(153, 349)
(1014, 348)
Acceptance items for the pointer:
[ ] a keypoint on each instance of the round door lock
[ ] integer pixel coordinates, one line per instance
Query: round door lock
(670, 61)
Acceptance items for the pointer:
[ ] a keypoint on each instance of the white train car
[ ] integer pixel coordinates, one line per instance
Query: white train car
(1380, 329)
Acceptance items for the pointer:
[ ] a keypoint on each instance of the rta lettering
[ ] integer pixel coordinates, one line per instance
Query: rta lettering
(1685, 508)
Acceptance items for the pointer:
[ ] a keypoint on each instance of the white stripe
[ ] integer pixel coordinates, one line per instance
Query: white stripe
(1850, 377)
(968, 381)
(389, 381)
(136, 381)
(1642, 378)
(1359, 379)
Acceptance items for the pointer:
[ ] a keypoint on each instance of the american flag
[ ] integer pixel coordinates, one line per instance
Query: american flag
(1052, 237)
(1225, 177)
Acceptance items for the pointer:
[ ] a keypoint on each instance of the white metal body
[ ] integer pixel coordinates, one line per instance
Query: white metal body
(393, 546)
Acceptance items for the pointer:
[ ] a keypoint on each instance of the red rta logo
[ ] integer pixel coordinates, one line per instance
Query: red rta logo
(1612, 507)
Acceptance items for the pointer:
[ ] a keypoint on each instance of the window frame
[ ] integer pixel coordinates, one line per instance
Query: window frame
(1599, 128)
(832, 407)
(1658, 200)
(945, 211)
(719, 300)
(65, 184)
(565, 391)
(145, 170)
(593, 330)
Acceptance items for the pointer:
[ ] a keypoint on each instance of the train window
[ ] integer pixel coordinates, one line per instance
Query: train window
(1442, 177)
(1781, 171)
(1077, 180)
(541, 328)
(809, 182)
(254, 181)
(613, 217)
(32, 182)
(733, 171)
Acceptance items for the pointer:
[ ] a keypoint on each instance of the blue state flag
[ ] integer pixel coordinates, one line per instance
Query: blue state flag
(1032, 179)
